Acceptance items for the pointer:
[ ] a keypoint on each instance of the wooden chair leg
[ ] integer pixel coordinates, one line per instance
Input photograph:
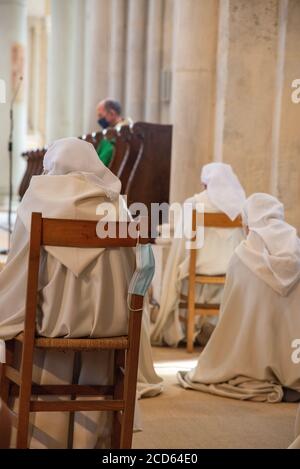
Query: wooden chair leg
(75, 380)
(5, 426)
(29, 330)
(190, 320)
(24, 398)
(191, 315)
(4, 381)
(119, 365)
(130, 380)
(4, 385)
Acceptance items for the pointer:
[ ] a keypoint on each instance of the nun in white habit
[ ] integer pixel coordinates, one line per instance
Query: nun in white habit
(222, 193)
(82, 292)
(250, 354)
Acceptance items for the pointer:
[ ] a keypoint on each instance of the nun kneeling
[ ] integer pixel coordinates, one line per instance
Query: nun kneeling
(250, 353)
(82, 292)
(222, 193)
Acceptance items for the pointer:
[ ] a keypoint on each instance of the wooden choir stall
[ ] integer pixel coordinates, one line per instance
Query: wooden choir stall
(141, 160)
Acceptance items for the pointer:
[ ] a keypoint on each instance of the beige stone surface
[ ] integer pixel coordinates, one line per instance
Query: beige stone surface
(250, 91)
(180, 418)
(193, 92)
(167, 57)
(135, 59)
(289, 148)
(257, 131)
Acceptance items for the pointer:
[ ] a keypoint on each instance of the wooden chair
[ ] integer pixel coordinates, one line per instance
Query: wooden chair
(211, 220)
(5, 425)
(97, 137)
(122, 149)
(34, 159)
(119, 398)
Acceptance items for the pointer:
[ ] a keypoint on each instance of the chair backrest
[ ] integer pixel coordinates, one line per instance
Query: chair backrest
(150, 178)
(209, 220)
(70, 233)
(135, 150)
(216, 220)
(122, 149)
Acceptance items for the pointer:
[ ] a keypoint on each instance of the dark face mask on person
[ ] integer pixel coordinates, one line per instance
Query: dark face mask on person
(103, 123)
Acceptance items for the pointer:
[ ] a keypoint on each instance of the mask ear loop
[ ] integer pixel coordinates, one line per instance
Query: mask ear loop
(137, 245)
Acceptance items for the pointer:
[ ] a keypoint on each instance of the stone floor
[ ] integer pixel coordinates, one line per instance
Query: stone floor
(180, 418)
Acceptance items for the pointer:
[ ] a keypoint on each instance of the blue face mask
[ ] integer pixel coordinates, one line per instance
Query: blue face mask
(103, 123)
(143, 275)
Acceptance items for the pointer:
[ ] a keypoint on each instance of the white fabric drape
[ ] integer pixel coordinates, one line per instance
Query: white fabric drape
(272, 248)
(224, 189)
(248, 356)
(72, 155)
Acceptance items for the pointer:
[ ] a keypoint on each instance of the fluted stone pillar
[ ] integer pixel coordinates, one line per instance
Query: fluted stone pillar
(221, 79)
(60, 76)
(97, 47)
(250, 91)
(135, 60)
(154, 60)
(12, 66)
(77, 67)
(193, 92)
(167, 47)
(37, 73)
(117, 49)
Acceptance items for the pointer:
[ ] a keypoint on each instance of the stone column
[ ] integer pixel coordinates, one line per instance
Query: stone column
(12, 66)
(288, 180)
(154, 60)
(117, 49)
(77, 68)
(250, 91)
(37, 80)
(135, 60)
(193, 92)
(60, 77)
(97, 46)
(221, 79)
(166, 76)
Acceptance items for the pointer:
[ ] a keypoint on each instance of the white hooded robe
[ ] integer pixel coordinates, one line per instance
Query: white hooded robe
(82, 293)
(249, 355)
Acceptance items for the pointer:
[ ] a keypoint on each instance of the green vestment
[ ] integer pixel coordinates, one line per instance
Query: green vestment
(105, 151)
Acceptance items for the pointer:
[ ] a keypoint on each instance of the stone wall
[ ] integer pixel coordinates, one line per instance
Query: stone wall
(219, 70)
(256, 124)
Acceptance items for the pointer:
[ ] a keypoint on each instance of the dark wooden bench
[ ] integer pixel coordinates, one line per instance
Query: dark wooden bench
(141, 160)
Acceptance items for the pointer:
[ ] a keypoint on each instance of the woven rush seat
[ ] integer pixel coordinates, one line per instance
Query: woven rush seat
(61, 343)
